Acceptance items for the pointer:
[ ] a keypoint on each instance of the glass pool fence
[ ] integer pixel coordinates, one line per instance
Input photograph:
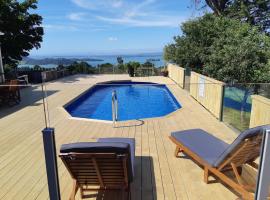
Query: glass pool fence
(238, 100)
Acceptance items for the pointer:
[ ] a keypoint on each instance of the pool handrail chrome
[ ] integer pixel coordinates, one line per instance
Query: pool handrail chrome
(114, 107)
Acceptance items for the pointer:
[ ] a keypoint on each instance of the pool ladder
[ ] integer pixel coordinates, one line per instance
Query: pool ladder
(114, 107)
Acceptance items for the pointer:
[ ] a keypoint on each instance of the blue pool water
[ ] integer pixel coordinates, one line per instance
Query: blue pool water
(135, 101)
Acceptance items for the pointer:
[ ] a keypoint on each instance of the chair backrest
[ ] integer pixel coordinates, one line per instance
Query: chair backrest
(245, 148)
(107, 165)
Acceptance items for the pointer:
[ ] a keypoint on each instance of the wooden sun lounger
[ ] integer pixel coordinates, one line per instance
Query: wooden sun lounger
(103, 165)
(218, 157)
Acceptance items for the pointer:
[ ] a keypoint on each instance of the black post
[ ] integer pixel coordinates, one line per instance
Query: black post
(51, 163)
(222, 103)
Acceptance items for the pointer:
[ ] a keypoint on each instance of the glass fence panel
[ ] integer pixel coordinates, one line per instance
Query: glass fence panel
(237, 103)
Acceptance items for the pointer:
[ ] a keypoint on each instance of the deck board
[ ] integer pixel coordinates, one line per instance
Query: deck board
(158, 174)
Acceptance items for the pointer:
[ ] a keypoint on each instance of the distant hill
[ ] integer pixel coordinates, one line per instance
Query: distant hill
(55, 61)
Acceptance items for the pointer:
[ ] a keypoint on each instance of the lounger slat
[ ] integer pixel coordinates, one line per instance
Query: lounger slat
(111, 171)
(88, 183)
(77, 162)
(248, 151)
(87, 178)
(105, 177)
(103, 162)
(78, 167)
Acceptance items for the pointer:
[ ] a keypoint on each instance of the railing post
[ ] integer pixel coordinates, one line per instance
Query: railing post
(114, 107)
(222, 103)
(51, 163)
(184, 79)
(2, 74)
(263, 180)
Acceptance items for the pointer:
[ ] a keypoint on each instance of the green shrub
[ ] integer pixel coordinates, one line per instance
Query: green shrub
(222, 48)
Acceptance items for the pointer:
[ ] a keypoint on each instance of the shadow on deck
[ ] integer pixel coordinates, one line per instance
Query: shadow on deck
(30, 96)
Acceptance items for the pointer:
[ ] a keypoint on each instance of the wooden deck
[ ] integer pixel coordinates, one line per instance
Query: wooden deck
(159, 175)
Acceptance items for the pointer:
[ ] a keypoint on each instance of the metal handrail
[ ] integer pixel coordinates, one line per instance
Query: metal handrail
(114, 107)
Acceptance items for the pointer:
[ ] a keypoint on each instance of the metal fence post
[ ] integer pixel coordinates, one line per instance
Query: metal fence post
(263, 180)
(51, 163)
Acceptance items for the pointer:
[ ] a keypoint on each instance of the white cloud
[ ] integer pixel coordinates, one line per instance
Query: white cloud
(76, 16)
(117, 4)
(112, 38)
(59, 27)
(142, 13)
(166, 21)
(98, 4)
(136, 10)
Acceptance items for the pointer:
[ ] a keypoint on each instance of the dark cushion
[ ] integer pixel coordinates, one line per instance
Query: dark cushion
(244, 135)
(130, 141)
(205, 145)
(95, 147)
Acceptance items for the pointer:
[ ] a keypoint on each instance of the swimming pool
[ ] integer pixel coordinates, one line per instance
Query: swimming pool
(136, 100)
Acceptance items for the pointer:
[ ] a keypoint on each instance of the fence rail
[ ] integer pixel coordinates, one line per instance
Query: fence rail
(177, 74)
(208, 92)
(260, 112)
(39, 76)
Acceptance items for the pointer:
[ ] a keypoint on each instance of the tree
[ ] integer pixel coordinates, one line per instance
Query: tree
(148, 64)
(106, 68)
(22, 29)
(37, 68)
(222, 48)
(240, 56)
(132, 67)
(60, 67)
(81, 67)
(191, 49)
(120, 62)
(255, 12)
(218, 6)
(169, 52)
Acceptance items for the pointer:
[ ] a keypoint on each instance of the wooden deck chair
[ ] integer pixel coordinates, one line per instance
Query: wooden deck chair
(11, 93)
(218, 157)
(103, 165)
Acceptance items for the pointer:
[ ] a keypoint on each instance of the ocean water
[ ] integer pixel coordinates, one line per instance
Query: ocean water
(141, 59)
(157, 60)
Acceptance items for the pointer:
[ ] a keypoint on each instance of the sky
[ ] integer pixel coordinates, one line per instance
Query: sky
(107, 27)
